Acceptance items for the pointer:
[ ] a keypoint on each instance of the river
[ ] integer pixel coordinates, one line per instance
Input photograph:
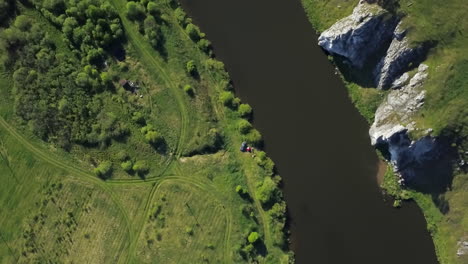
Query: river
(313, 133)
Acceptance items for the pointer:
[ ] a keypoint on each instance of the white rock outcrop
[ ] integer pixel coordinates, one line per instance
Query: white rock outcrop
(360, 35)
(394, 114)
(399, 55)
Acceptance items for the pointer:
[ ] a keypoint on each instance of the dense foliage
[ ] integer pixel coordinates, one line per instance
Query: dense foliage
(53, 90)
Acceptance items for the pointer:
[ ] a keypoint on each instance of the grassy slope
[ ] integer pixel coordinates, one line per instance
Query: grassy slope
(113, 221)
(447, 91)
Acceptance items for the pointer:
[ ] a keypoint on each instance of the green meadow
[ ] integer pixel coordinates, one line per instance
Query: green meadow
(94, 171)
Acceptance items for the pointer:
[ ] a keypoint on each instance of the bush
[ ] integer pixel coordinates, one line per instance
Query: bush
(188, 89)
(152, 31)
(189, 230)
(245, 110)
(122, 156)
(138, 118)
(205, 46)
(127, 165)
(191, 68)
(153, 137)
(244, 126)
(180, 15)
(227, 98)
(253, 137)
(193, 32)
(103, 170)
(152, 9)
(253, 237)
(146, 129)
(135, 11)
(140, 167)
(268, 191)
(264, 161)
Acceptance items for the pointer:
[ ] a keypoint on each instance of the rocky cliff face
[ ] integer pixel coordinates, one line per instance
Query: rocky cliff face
(360, 36)
(398, 59)
(365, 30)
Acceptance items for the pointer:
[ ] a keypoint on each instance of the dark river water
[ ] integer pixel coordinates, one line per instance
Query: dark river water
(314, 134)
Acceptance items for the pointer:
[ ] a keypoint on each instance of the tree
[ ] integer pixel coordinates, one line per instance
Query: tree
(127, 165)
(268, 191)
(122, 156)
(244, 126)
(23, 23)
(188, 89)
(180, 15)
(153, 9)
(5, 9)
(138, 118)
(191, 68)
(153, 137)
(253, 237)
(205, 46)
(226, 98)
(245, 110)
(69, 25)
(135, 11)
(253, 137)
(104, 170)
(193, 32)
(152, 31)
(140, 167)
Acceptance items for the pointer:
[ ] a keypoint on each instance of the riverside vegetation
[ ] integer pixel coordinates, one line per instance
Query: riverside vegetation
(98, 170)
(445, 109)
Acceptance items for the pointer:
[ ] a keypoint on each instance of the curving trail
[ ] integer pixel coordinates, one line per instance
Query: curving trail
(76, 173)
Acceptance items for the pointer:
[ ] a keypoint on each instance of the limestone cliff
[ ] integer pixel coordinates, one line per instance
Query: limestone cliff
(367, 32)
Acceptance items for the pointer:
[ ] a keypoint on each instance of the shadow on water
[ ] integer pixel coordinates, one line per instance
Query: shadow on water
(313, 133)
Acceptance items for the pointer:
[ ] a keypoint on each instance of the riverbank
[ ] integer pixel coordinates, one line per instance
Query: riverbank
(443, 112)
(304, 113)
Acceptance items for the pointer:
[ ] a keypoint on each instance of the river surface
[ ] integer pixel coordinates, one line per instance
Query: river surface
(313, 133)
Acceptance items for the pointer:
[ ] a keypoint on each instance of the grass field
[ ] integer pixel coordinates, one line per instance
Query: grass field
(445, 109)
(184, 210)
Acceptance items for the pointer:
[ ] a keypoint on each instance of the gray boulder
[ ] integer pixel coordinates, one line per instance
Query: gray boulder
(360, 35)
(414, 160)
(399, 55)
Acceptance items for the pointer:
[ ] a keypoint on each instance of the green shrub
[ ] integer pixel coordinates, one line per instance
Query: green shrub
(253, 237)
(244, 126)
(140, 167)
(245, 110)
(265, 162)
(205, 46)
(193, 32)
(104, 170)
(191, 68)
(135, 11)
(253, 137)
(152, 9)
(127, 165)
(138, 118)
(180, 15)
(122, 155)
(189, 230)
(226, 98)
(189, 89)
(153, 137)
(268, 191)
